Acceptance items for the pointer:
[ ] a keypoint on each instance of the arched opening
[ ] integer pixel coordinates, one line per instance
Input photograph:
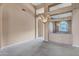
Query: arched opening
(63, 26)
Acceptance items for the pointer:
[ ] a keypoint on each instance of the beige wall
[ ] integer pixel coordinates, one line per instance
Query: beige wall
(61, 38)
(18, 25)
(0, 24)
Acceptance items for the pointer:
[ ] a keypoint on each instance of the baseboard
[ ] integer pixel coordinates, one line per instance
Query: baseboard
(75, 45)
(58, 43)
(15, 44)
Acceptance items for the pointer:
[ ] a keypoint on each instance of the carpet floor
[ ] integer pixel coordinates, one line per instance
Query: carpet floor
(39, 48)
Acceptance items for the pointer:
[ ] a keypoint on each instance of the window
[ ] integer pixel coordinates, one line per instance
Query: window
(50, 27)
(63, 26)
(52, 8)
(60, 26)
(39, 11)
(62, 23)
(62, 15)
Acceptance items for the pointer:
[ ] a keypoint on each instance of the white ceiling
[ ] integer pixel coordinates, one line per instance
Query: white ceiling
(36, 4)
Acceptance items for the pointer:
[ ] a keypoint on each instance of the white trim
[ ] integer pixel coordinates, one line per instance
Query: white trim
(16, 44)
(75, 45)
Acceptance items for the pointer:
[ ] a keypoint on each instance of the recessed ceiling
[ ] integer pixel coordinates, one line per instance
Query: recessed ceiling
(36, 4)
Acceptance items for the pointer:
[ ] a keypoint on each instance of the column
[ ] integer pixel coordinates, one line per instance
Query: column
(45, 26)
(54, 27)
(75, 24)
(1, 34)
(45, 32)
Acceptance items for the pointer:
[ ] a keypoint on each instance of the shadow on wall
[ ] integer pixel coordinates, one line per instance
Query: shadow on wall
(17, 25)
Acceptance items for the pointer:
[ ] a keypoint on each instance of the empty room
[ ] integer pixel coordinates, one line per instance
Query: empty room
(39, 29)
